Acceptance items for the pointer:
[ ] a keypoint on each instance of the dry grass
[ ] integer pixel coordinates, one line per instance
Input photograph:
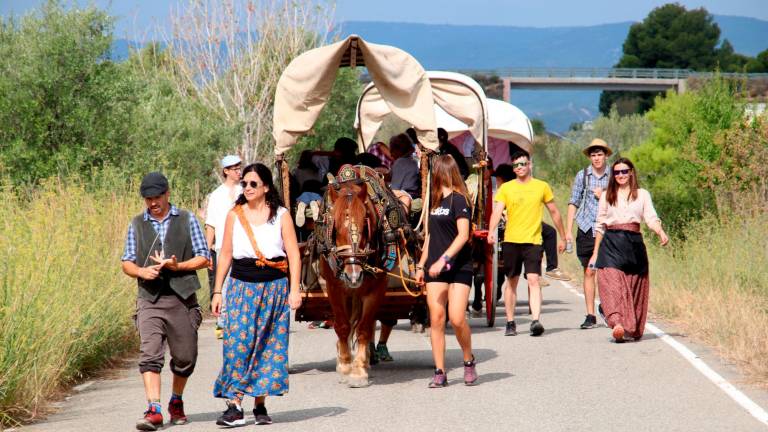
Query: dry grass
(65, 306)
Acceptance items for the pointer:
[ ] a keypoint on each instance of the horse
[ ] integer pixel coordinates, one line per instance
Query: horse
(354, 290)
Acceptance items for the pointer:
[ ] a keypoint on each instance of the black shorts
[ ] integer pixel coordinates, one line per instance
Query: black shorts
(585, 245)
(517, 254)
(449, 277)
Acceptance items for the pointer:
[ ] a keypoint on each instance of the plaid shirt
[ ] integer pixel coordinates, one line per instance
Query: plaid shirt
(586, 216)
(199, 245)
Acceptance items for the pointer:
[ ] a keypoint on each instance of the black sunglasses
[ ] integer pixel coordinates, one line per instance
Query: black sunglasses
(253, 184)
(622, 171)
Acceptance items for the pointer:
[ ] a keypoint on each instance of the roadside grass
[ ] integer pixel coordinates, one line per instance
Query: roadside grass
(65, 306)
(713, 284)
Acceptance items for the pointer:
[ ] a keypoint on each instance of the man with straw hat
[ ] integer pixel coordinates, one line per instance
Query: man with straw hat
(585, 195)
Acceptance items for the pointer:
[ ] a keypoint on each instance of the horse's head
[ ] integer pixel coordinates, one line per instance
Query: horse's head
(354, 223)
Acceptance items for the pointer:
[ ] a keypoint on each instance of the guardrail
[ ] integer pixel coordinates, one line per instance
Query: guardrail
(640, 73)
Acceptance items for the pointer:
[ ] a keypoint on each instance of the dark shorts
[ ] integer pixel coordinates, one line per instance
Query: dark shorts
(517, 254)
(449, 277)
(585, 245)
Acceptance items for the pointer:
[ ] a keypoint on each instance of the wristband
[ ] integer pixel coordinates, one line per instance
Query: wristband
(419, 267)
(216, 292)
(447, 260)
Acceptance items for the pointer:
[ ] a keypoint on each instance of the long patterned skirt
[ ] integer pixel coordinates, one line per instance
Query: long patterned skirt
(255, 343)
(624, 298)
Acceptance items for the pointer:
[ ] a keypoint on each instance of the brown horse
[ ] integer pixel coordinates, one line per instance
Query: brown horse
(355, 293)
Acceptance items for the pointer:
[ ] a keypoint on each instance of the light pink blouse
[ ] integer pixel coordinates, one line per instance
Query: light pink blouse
(639, 210)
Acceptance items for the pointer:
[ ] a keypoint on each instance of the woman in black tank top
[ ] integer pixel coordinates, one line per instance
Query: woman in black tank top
(448, 266)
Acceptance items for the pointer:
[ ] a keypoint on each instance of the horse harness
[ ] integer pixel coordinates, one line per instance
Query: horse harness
(390, 218)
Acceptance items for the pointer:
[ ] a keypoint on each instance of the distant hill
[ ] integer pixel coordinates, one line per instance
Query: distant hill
(454, 47)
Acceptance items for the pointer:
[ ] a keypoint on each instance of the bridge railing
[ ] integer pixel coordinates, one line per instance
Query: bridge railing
(580, 72)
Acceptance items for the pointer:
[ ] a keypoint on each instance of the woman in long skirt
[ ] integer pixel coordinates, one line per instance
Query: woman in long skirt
(260, 246)
(620, 256)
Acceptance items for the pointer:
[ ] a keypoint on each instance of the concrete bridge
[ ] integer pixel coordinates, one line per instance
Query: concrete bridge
(603, 78)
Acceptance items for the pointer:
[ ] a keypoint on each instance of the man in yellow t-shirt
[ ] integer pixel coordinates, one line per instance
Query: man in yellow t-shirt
(524, 199)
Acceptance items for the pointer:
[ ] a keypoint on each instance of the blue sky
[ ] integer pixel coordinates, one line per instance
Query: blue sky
(139, 17)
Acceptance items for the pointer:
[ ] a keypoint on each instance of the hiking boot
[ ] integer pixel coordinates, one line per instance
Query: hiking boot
(536, 328)
(618, 333)
(176, 410)
(557, 274)
(602, 314)
(152, 420)
(589, 322)
(383, 353)
(233, 416)
(470, 373)
(439, 380)
(511, 329)
(262, 418)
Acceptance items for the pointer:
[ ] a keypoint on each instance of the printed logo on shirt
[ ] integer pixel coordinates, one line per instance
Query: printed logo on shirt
(440, 211)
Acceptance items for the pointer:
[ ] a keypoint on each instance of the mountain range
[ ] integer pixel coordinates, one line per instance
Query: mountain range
(475, 47)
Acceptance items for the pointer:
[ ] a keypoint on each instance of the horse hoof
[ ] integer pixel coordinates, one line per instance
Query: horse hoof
(359, 382)
(344, 369)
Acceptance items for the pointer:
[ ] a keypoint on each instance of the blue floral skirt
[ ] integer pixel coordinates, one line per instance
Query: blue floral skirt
(255, 342)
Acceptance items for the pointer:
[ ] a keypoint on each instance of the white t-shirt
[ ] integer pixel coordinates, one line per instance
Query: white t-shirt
(220, 202)
(269, 238)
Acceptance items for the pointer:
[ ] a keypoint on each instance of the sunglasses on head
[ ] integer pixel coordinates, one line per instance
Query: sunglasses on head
(621, 171)
(253, 184)
(519, 164)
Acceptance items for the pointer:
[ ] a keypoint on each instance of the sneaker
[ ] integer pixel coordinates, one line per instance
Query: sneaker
(511, 329)
(470, 373)
(618, 334)
(602, 314)
(301, 208)
(439, 380)
(152, 420)
(589, 322)
(543, 282)
(233, 416)
(374, 359)
(262, 418)
(176, 410)
(476, 313)
(536, 328)
(557, 274)
(219, 333)
(315, 208)
(383, 353)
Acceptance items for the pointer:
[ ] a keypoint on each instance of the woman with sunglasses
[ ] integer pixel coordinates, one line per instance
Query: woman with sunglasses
(261, 248)
(620, 256)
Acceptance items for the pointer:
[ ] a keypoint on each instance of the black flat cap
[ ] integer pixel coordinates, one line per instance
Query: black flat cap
(153, 184)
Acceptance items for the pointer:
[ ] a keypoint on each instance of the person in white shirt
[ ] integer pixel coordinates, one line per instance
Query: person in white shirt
(220, 201)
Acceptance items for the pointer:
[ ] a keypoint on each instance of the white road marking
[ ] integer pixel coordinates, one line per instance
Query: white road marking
(740, 398)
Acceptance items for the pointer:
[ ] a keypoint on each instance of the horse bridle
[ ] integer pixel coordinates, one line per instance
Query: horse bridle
(351, 254)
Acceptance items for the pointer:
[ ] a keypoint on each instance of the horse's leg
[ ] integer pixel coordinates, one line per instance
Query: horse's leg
(371, 300)
(337, 298)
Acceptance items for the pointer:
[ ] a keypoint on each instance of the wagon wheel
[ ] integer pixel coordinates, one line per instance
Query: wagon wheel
(491, 275)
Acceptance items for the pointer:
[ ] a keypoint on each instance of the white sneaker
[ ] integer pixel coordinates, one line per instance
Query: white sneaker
(315, 207)
(301, 207)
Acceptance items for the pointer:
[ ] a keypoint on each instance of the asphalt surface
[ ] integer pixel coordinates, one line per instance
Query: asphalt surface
(568, 379)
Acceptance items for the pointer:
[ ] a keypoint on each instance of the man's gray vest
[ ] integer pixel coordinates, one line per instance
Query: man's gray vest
(178, 241)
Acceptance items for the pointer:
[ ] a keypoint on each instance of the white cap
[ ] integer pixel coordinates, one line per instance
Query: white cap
(230, 160)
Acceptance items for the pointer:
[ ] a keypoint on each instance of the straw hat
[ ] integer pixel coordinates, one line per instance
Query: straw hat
(597, 143)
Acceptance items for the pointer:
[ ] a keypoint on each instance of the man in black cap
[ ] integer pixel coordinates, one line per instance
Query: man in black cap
(163, 249)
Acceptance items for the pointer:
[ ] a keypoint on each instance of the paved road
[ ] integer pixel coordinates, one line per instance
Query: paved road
(567, 380)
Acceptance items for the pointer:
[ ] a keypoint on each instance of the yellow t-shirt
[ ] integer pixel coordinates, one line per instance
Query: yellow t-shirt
(525, 208)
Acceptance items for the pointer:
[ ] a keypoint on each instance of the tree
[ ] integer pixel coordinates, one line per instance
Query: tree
(538, 126)
(64, 107)
(229, 55)
(669, 37)
(759, 64)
